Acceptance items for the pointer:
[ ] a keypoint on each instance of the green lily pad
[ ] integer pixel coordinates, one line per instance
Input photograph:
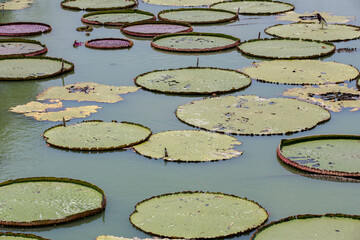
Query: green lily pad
(19, 236)
(330, 96)
(194, 42)
(193, 80)
(96, 135)
(197, 15)
(184, 3)
(314, 31)
(87, 91)
(197, 215)
(97, 4)
(325, 154)
(301, 72)
(311, 17)
(117, 18)
(254, 7)
(286, 48)
(189, 146)
(319, 227)
(252, 115)
(16, 4)
(21, 48)
(30, 202)
(31, 68)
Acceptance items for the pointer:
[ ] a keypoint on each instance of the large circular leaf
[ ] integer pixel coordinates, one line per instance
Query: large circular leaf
(197, 215)
(109, 43)
(15, 29)
(152, 29)
(286, 48)
(47, 201)
(21, 48)
(19, 236)
(319, 227)
(254, 7)
(98, 4)
(314, 31)
(194, 42)
(325, 154)
(30, 68)
(197, 15)
(184, 3)
(301, 72)
(252, 115)
(96, 135)
(189, 146)
(117, 18)
(193, 80)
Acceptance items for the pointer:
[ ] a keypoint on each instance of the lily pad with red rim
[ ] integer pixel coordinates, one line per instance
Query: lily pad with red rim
(21, 48)
(97, 5)
(184, 3)
(109, 43)
(16, 29)
(19, 236)
(151, 28)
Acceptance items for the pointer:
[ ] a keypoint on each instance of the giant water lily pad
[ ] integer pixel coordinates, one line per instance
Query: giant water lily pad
(110, 237)
(301, 72)
(286, 48)
(15, 29)
(117, 18)
(109, 43)
(184, 3)
(19, 236)
(189, 146)
(311, 17)
(319, 227)
(87, 91)
(16, 4)
(197, 15)
(98, 4)
(314, 31)
(252, 115)
(31, 68)
(152, 29)
(47, 201)
(96, 135)
(194, 42)
(21, 48)
(325, 154)
(197, 215)
(330, 96)
(193, 80)
(254, 7)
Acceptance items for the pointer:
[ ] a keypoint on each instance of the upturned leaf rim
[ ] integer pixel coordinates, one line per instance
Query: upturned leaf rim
(49, 28)
(28, 54)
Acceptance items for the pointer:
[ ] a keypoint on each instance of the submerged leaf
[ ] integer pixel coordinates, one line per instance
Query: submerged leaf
(87, 91)
(197, 215)
(34, 106)
(330, 96)
(189, 146)
(19, 236)
(311, 17)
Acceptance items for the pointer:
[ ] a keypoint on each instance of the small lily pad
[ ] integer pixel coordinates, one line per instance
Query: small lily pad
(301, 72)
(16, 29)
(314, 31)
(87, 91)
(286, 48)
(197, 215)
(97, 5)
(184, 3)
(194, 42)
(333, 97)
(117, 18)
(323, 227)
(21, 48)
(16, 4)
(96, 135)
(19, 236)
(109, 43)
(152, 29)
(337, 155)
(30, 68)
(197, 15)
(254, 7)
(193, 80)
(31, 202)
(35, 106)
(311, 17)
(189, 146)
(252, 115)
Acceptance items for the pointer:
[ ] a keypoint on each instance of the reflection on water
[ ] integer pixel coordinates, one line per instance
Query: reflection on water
(127, 177)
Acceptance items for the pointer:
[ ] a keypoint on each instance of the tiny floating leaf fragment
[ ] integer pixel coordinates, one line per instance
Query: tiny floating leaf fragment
(189, 146)
(310, 17)
(197, 215)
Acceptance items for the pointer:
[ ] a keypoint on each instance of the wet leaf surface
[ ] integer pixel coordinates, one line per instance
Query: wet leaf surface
(34, 106)
(311, 17)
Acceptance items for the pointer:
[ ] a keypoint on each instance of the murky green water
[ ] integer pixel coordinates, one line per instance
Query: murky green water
(127, 177)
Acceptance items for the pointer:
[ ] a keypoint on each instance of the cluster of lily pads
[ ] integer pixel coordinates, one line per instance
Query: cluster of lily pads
(190, 215)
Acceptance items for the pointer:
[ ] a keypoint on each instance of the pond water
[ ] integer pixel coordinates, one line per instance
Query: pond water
(127, 177)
